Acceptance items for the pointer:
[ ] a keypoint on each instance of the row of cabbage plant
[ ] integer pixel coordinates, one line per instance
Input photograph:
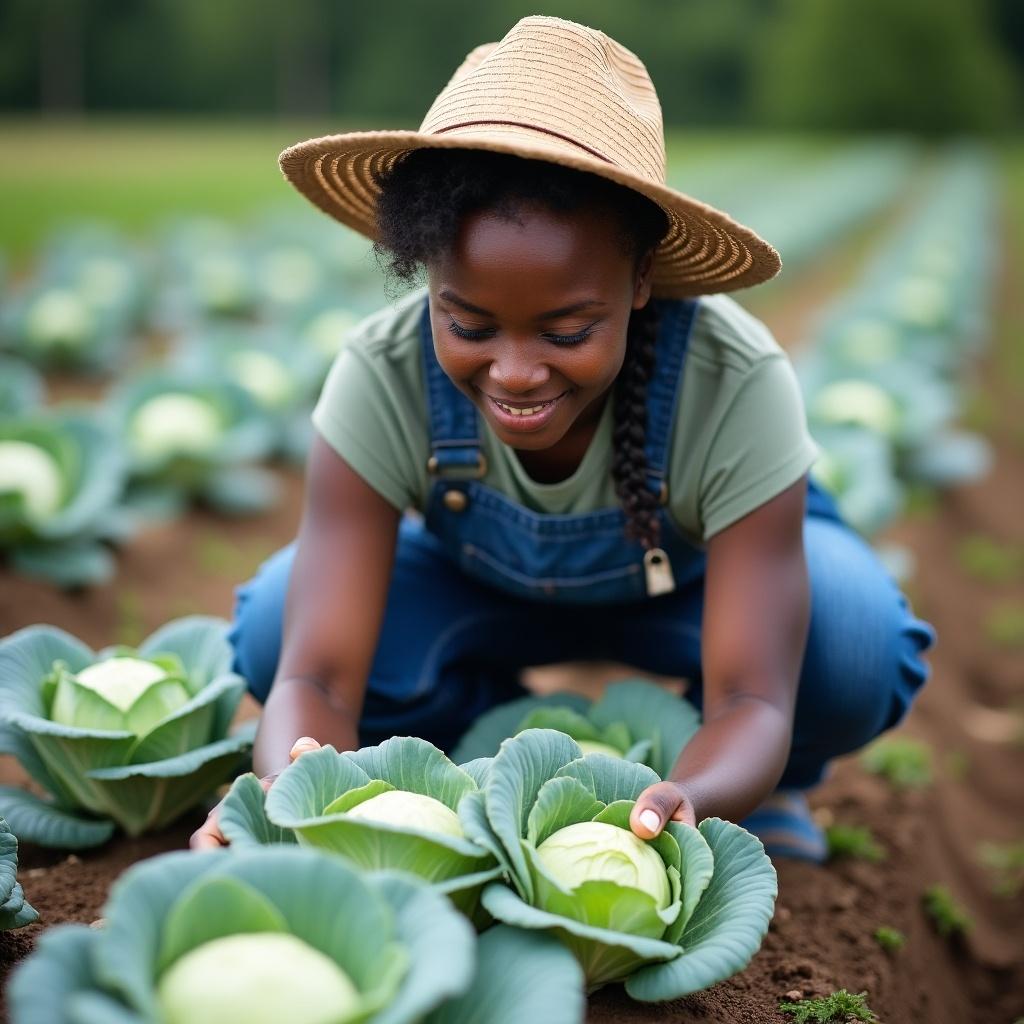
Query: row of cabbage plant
(533, 846)
(536, 837)
(883, 374)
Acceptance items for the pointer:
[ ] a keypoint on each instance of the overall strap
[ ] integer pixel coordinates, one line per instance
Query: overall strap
(665, 385)
(454, 427)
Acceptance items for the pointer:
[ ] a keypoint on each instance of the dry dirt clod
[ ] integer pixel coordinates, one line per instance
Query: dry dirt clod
(794, 995)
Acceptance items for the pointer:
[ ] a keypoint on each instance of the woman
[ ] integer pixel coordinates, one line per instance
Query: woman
(604, 464)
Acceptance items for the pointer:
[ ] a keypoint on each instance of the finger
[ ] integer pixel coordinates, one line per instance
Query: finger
(207, 837)
(303, 745)
(653, 808)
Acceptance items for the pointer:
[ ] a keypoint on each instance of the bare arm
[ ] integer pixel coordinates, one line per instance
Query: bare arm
(756, 613)
(333, 613)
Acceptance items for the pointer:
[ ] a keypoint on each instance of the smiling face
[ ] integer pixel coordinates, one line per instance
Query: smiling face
(529, 318)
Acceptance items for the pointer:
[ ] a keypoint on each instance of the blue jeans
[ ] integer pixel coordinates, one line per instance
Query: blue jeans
(452, 647)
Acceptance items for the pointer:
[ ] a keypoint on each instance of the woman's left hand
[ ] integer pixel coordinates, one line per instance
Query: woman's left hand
(659, 803)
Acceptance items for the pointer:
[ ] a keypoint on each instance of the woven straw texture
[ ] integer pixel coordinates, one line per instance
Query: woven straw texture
(557, 91)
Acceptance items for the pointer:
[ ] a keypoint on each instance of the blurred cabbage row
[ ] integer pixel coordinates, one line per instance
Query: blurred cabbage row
(217, 340)
(883, 372)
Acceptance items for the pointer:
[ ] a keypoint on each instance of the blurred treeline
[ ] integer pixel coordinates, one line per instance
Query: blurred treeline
(929, 66)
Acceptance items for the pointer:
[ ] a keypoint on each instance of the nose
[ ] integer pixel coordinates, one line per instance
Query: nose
(515, 370)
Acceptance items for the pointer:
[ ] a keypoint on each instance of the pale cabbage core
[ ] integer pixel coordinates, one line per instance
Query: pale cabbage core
(596, 851)
(175, 423)
(28, 470)
(595, 747)
(121, 681)
(263, 376)
(260, 978)
(409, 810)
(860, 402)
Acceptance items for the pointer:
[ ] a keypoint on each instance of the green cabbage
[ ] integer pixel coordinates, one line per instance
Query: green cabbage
(175, 423)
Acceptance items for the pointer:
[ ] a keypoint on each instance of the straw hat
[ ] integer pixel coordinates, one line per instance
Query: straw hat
(557, 91)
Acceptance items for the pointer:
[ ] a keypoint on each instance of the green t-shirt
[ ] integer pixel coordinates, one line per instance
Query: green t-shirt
(739, 436)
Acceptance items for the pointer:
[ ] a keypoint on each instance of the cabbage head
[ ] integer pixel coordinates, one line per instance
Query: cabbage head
(126, 737)
(194, 436)
(666, 916)
(395, 806)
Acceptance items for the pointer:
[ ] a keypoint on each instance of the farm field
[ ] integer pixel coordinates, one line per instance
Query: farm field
(962, 544)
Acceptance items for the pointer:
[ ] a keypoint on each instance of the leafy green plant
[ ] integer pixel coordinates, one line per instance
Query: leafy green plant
(1005, 862)
(282, 380)
(193, 438)
(21, 388)
(853, 841)
(117, 737)
(1004, 625)
(839, 1006)
(950, 919)
(15, 911)
(669, 916)
(904, 762)
(988, 560)
(61, 479)
(635, 719)
(270, 935)
(892, 940)
(398, 805)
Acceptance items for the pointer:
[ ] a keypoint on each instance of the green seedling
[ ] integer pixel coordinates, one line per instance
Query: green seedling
(853, 841)
(892, 940)
(949, 918)
(1005, 861)
(985, 559)
(904, 762)
(840, 1006)
(958, 765)
(1004, 625)
(921, 502)
(131, 620)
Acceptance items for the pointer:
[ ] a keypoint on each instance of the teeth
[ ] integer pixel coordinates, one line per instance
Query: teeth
(521, 412)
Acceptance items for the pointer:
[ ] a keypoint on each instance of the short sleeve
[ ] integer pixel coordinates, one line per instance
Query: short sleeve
(359, 416)
(760, 447)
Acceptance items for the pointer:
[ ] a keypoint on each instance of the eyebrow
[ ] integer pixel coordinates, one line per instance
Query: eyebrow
(552, 314)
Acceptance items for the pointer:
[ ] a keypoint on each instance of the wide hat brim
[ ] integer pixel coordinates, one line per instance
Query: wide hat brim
(704, 251)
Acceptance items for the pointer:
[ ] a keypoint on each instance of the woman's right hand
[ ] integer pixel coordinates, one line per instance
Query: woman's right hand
(209, 836)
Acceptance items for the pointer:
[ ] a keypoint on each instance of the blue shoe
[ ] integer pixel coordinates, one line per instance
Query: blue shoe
(785, 826)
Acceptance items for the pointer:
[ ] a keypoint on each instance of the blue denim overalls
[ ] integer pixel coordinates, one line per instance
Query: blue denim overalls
(483, 587)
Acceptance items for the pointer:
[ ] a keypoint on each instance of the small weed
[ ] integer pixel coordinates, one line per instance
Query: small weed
(130, 628)
(853, 841)
(904, 762)
(1004, 625)
(921, 502)
(979, 413)
(840, 1006)
(1005, 861)
(949, 918)
(958, 765)
(985, 559)
(892, 940)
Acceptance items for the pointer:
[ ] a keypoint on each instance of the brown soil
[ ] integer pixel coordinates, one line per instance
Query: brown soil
(821, 938)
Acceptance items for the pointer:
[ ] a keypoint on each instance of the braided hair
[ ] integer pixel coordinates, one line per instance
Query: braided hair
(426, 195)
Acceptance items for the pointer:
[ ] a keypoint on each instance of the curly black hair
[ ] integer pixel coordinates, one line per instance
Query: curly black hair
(424, 198)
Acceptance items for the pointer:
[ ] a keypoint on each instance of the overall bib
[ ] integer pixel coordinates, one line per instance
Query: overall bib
(483, 587)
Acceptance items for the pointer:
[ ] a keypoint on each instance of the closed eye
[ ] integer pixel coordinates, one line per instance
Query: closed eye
(489, 332)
